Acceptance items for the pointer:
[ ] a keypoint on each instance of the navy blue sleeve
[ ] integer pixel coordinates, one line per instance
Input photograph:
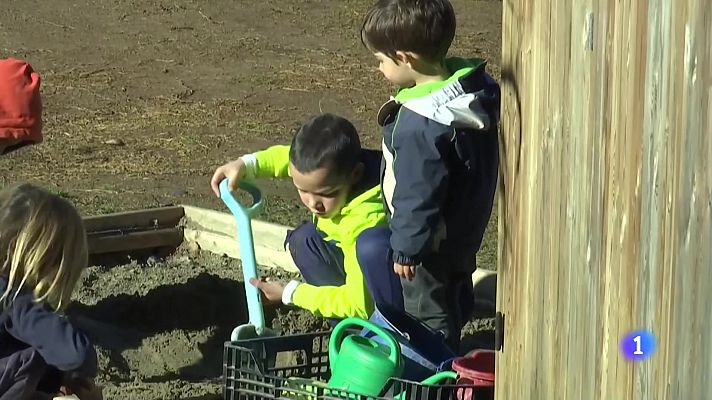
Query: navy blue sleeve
(421, 182)
(55, 338)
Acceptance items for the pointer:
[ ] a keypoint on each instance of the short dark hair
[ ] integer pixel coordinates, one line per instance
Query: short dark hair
(424, 27)
(326, 140)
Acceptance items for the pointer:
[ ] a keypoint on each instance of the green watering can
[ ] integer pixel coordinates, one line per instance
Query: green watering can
(307, 389)
(359, 364)
(433, 380)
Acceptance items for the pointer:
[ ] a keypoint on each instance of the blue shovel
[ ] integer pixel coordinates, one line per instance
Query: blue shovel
(256, 325)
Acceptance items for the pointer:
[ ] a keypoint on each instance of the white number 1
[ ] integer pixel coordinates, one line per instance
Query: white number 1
(637, 351)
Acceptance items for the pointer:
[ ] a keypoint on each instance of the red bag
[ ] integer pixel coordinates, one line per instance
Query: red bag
(20, 105)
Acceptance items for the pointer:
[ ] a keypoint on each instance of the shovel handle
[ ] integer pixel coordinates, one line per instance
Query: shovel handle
(243, 216)
(236, 208)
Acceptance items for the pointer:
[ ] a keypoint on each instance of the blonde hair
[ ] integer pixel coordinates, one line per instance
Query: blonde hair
(43, 245)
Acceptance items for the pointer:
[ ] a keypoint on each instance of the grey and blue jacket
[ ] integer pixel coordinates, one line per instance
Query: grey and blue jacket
(439, 171)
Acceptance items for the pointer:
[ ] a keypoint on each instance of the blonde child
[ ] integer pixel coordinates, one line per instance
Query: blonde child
(43, 251)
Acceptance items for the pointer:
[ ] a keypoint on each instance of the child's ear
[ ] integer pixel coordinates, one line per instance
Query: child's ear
(357, 173)
(404, 58)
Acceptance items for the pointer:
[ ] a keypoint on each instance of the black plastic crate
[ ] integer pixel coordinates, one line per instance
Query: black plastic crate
(257, 369)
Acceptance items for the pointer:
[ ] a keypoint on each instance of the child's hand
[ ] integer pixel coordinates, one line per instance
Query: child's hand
(404, 271)
(234, 171)
(271, 291)
(83, 388)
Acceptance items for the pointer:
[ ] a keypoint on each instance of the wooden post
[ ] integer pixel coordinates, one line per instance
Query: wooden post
(605, 200)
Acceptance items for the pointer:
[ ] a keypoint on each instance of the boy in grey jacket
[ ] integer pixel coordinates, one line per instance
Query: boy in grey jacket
(440, 150)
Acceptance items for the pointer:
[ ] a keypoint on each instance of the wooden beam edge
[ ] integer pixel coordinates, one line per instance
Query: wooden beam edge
(212, 230)
(217, 243)
(164, 217)
(167, 237)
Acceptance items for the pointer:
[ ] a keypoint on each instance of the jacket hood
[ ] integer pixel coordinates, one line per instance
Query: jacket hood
(464, 100)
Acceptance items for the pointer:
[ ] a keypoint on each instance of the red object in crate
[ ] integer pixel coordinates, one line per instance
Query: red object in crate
(477, 368)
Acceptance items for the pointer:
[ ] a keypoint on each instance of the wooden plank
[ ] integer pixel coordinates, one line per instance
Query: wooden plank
(149, 218)
(228, 245)
(212, 230)
(655, 166)
(99, 244)
(605, 198)
(217, 232)
(266, 234)
(677, 190)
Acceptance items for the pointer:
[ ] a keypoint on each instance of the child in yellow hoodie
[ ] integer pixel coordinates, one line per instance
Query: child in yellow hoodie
(343, 254)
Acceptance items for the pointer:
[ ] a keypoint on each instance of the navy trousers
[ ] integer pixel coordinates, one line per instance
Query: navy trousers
(24, 375)
(322, 263)
(440, 297)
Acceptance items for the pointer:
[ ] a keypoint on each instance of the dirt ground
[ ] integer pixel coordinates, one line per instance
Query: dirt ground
(159, 325)
(144, 98)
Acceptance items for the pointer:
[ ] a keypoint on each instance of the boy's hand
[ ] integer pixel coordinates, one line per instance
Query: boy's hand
(404, 271)
(234, 171)
(271, 291)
